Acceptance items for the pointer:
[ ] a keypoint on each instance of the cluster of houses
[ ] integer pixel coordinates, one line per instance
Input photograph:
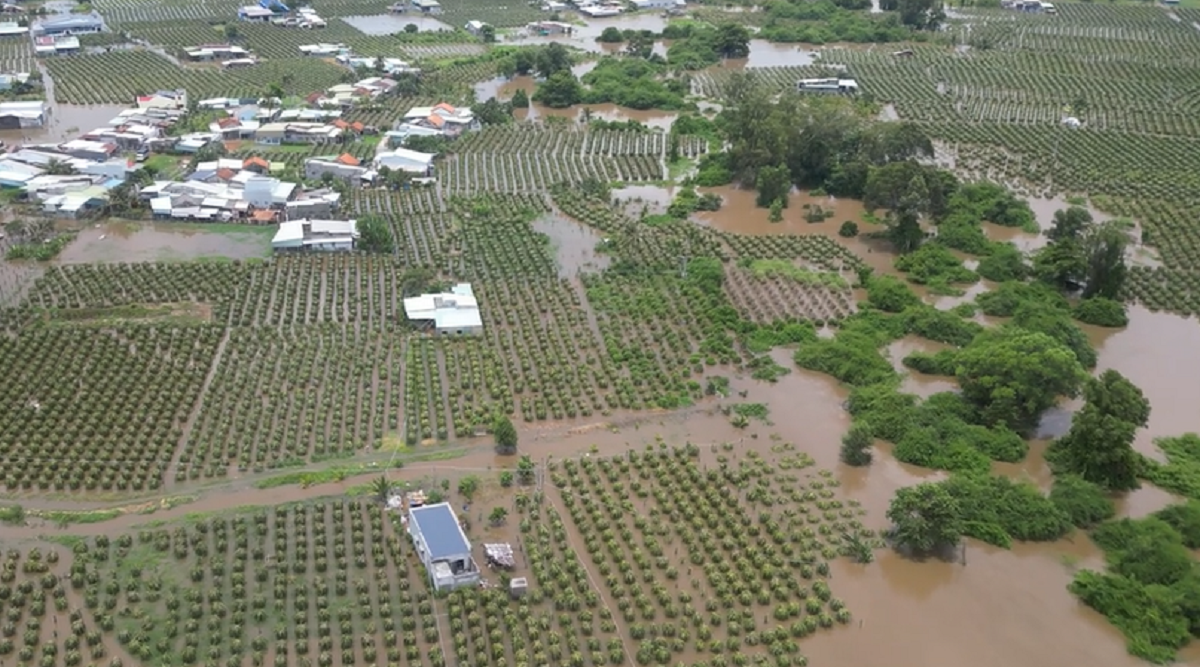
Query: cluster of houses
(277, 13)
(235, 189)
(55, 35)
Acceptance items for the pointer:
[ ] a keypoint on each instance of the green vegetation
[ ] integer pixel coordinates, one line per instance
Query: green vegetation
(771, 268)
(856, 444)
(696, 46)
(925, 518)
(374, 235)
(1181, 473)
(1085, 504)
(1099, 446)
(505, 434)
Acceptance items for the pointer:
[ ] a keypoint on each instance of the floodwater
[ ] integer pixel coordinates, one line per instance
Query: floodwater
(914, 382)
(740, 215)
(574, 245)
(390, 24)
(134, 242)
(64, 122)
(584, 36)
(651, 118)
(770, 54)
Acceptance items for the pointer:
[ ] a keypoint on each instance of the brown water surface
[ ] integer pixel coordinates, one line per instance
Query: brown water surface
(574, 245)
(138, 242)
(64, 122)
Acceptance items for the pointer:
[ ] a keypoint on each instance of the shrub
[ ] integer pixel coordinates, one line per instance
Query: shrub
(1184, 518)
(999, 510)
(933, 262)
(849, 229)
(856, 444)
(890, 294)
(1005, 262)
(1084, 503)
(1147, 550)
(1149, 616)
(940, 325)
(940, 363)
(1005, 299)
(1101, 312)
(850, 357)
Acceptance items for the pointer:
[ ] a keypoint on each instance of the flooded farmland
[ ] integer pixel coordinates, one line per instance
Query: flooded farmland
(139, 242)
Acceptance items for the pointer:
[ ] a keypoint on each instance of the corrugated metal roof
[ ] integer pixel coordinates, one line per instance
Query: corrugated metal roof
(440, 530)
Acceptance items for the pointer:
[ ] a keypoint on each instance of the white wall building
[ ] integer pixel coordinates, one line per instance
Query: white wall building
(442, 546)
(403, 159)
(337, 235)
(450, 313)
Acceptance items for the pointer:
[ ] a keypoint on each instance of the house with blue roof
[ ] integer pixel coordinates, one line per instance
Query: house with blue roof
(442, 546)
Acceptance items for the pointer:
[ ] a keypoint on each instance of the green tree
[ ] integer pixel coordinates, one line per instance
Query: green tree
(773, 184)
(506, 478)
(467, 486)
(1012, 375)
(497, 516)
(506, 435)
(611, 35)
(1069, 224)
(412, 28)
(925, 518)
(231, 32)
(1104, 253)
(856, 444)
(488, 34)
(921, 14)
(526, 470)
(849, 229)
(374, 235)
(493, 112)
(520, 100)
(552, 59)
(733, 40)
(1099, 445)
(559, 91)
(904, 230)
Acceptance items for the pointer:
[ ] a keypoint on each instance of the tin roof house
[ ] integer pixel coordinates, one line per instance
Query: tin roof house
(455, 312)
(442, 546)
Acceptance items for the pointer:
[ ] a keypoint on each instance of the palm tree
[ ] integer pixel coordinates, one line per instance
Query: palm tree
(381, 488)
(60, 168)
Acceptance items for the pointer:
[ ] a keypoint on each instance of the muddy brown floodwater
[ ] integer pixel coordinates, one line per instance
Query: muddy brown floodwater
(574, 245)
(63, 122)
(139, 242)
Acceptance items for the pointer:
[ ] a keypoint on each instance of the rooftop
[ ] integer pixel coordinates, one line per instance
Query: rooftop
(439, 529)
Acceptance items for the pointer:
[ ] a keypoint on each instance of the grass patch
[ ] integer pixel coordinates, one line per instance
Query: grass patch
(680, 168)
(76, 517)
(164, 313)
(782, 268)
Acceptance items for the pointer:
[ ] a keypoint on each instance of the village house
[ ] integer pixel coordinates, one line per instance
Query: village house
(319, 203)
(446, 119)
(598, 11)
(448, 313)
(427, 6)
(475, 28)
(89, 150)
(206, 52)
(297, 133)
(13, 80)
(658, 4)
(55, 45)
(232, 128)
(832, 86)
(22, 115)
(323, 50)
(164, 99)
(344, 167)
(403, 159)
(550, 28)
(12, 28)
(442, 547)
(306, 234)
(69, 24)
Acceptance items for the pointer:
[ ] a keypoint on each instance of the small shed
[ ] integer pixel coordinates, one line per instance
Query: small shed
(518, 587)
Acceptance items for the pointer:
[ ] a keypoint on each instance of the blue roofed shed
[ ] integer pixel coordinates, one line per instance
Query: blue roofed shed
(442, 546)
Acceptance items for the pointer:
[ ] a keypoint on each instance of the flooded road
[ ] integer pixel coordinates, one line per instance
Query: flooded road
(64, 122)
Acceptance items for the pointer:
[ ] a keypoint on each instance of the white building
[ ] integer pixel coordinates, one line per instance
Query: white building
(455, 312)
(403, 159)
(15, 115)
(475, 27)
(323, 49)
(448, 119)
(164, 99)
(828, 86)
(658, 4)
(316, 235)
(442, 546)
(266, 192)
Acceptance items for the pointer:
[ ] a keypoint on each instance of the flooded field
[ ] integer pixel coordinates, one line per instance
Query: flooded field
(574, 245)
(133, 242)
(390, 24)
(64, 122)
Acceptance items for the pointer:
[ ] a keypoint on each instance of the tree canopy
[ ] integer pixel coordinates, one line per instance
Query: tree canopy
(374, 235)
(1012, 375)
(1099, 445)
(925, 518)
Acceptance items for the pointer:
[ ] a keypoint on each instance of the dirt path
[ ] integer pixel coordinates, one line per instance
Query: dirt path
(194, 415)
